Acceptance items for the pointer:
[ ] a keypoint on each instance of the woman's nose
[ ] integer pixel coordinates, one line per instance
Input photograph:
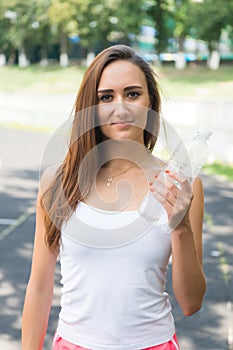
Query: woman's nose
(120, 109)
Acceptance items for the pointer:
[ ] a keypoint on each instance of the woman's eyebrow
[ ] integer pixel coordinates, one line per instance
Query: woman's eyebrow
(105, 90)
(133, 87)
(127, 88)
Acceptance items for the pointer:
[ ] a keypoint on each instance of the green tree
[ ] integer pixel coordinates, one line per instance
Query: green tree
(22, 26)
(130, 16)
(21, 18)
(42, 29)
(108, 22)
(208, 18)
(63, 17)
(4, 27)
(181, 20)
(160, 12)
(181, 28)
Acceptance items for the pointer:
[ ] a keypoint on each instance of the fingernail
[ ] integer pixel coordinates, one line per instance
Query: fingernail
(151, 183)
(155, 176)
(167, 171)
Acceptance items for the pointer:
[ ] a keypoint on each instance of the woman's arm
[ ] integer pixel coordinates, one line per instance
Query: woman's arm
(188, 279)
(39, 291)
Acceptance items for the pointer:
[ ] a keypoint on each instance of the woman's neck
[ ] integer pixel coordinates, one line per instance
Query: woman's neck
(122, 154)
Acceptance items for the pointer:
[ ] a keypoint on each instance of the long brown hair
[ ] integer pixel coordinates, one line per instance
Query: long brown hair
(74, 178)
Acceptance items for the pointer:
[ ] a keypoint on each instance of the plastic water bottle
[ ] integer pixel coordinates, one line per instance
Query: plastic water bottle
(189, 156)
(187, 160)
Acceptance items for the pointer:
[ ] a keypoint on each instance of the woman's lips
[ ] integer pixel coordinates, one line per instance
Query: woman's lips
(125, 123)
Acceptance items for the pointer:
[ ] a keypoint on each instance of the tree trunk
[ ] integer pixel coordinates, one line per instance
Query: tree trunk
(2, 59)
(64, 59)
(158, 16)
(12, 57)
(44, 48)
(90, 58)
(23, 62)
(213, 61)
(181, 40)
(180, 62)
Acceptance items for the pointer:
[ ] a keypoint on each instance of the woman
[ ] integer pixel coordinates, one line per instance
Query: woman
(114, 262)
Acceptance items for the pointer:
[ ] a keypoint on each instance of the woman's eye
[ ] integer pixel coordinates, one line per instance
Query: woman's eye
(133, 94)
(105, 98)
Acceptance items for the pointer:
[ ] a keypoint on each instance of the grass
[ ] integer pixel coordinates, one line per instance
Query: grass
(39, 80)
(19, 126)
(224, 170)
(195, 83)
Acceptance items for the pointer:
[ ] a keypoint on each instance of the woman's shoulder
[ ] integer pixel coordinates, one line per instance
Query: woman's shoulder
(154, 162)
(197, 186)
(47, 176)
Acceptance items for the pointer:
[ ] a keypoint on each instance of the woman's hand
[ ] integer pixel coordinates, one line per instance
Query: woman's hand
(175, 194)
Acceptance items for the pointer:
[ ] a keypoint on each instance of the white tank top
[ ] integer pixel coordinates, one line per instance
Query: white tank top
(113, 267)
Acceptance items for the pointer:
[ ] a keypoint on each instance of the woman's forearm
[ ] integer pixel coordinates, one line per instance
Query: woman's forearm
(35, 317)
(188, 279)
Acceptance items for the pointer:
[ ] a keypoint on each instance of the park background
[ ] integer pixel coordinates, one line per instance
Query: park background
(45, 47)
(189, 42)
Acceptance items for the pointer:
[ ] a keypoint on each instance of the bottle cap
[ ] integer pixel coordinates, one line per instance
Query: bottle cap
(203, 133)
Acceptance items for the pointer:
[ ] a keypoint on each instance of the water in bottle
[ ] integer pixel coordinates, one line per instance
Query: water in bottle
(187, 161)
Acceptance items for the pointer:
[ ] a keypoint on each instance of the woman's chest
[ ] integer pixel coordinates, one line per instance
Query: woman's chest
(119, 194)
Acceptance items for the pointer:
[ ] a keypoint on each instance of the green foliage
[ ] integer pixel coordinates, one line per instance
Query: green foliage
(63, 14)
(181, 17)
(108, 22)
(46, 21)
(224, 170)
(208, 18)
(178, 18)
(39, 23)
(20, 16)
(159, 11)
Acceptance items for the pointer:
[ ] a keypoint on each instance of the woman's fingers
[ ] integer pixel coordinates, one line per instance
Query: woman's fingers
(174, 193)
(181, 182)
(168, 189)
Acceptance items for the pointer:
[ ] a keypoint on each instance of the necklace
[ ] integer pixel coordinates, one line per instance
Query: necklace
(111, 178)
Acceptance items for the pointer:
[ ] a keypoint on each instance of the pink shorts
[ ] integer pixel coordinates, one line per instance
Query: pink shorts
(62, 344)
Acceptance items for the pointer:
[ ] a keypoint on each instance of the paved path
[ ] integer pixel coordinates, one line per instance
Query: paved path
(21, 151)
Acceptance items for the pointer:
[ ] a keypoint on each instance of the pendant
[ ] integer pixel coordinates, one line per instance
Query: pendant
(109, 181)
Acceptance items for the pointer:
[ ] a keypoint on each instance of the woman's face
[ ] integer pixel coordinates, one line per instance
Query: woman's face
(123, 101)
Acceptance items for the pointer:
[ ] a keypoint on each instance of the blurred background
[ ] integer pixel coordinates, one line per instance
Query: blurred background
(45, 47)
